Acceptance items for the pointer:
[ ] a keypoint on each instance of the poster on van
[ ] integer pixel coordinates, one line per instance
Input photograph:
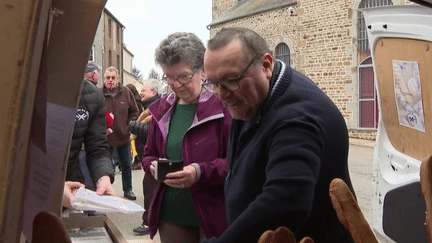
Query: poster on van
(408, 94)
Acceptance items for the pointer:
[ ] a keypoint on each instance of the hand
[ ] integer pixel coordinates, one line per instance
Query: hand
(69, 190)
(109, 131)
(181, 179)
(104, 187)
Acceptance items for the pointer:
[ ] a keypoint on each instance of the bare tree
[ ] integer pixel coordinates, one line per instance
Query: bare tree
(153, 74)
(137, 74)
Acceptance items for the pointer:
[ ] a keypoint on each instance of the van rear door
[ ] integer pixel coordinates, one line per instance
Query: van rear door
(400, 39)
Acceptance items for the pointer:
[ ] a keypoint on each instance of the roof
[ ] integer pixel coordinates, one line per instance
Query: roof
(113, 17)
(427, 3)
(246, 8)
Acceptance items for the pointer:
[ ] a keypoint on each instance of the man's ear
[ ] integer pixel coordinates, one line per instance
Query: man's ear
(203, 75)
(268, 60)
(268, 64)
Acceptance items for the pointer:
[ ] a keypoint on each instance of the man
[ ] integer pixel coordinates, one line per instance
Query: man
(287, 142)
(92, 73)
(89, 131)
(121, 103)
(149, 93)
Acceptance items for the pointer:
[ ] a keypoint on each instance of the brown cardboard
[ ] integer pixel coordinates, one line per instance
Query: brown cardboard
(81, 221)
(45, 46)
(70, 32)
(22, 28)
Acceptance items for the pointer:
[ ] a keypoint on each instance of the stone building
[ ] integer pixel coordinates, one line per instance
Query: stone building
(107, 49)
(325, 40)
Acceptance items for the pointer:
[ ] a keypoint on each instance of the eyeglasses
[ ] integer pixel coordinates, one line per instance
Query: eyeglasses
(182, 79)
(231, 84)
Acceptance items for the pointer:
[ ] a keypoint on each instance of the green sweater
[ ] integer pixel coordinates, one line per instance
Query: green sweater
(177, 205)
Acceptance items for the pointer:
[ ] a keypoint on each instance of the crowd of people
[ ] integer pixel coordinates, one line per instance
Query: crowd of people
(259, 142)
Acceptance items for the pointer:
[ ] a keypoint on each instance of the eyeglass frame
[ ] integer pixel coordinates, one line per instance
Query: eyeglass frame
(237, 79)
(190, 76)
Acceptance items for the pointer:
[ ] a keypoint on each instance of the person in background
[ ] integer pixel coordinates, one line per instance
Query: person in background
(96, 169)
(121, 103)
(136, 161)
(189, 124)
(92, 72)
(137, 96)
(288, 141)
(149, 93)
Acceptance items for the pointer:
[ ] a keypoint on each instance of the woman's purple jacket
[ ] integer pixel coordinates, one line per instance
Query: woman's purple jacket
(205, 143)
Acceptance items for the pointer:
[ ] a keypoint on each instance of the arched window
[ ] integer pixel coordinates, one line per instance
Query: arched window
(367, 99)
(282, 52)
(363, 44)
(368, 102)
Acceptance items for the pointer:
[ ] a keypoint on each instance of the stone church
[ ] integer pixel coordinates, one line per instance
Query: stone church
(324, 39)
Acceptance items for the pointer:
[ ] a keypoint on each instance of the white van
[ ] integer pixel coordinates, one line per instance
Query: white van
(400, 39)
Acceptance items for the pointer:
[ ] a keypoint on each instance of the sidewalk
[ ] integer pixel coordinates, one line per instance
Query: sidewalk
(125, 223)
(360, 142)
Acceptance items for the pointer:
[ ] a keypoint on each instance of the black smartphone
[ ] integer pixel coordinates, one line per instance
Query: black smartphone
(165, 166)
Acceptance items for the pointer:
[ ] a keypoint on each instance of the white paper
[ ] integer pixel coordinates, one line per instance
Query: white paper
(407, 85)
(85, 199)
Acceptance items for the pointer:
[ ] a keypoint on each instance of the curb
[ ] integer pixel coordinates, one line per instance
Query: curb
(362, 142)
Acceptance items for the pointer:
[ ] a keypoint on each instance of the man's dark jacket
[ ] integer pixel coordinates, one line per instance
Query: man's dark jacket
(281, 164)
(90, 129)
(124, 108)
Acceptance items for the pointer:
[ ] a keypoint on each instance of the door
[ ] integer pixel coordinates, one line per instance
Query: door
(400, 39)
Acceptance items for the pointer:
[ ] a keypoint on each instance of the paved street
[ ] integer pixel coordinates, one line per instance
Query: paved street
(360, 165)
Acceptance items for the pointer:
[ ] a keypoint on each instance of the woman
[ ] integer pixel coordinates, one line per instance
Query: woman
(190, 124)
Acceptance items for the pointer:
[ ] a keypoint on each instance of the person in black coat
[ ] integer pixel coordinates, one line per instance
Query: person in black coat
(90, 133)
(288, 141)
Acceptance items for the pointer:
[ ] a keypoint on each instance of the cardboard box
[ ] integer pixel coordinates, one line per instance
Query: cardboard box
(81, 221)
(45, 45)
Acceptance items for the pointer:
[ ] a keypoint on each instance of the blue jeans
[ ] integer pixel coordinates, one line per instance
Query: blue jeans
(125, 164)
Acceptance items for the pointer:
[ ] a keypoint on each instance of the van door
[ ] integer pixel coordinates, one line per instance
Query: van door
(400, 39)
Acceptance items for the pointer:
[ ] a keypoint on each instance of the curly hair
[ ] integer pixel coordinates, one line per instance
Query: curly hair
(179, 47)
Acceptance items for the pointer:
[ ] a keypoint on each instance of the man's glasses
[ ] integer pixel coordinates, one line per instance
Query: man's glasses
(231, 84)
(182, 79)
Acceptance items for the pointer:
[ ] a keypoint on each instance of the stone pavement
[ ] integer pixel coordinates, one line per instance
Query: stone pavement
(360, 166)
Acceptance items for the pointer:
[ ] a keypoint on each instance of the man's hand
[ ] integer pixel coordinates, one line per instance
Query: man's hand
(181, 179)
(104, 187)
(69, 190)
(109, 131)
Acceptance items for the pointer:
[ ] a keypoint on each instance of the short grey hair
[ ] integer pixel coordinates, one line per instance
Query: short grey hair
(252, 43)
(154, 84)
(179, 47)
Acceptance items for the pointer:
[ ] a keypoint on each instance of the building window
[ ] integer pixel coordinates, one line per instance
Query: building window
(118, 34)
(282, 52)
(110, 58)
(91, 56)
(368, 101)
(109, 28)
(118, 62)
(363, 43)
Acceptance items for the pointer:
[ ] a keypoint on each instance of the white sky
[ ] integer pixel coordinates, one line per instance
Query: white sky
(147, 22)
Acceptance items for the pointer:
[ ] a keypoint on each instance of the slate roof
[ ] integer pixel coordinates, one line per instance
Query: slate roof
(245, 8)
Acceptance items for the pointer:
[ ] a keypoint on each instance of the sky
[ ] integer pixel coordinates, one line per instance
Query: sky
(147, 22)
